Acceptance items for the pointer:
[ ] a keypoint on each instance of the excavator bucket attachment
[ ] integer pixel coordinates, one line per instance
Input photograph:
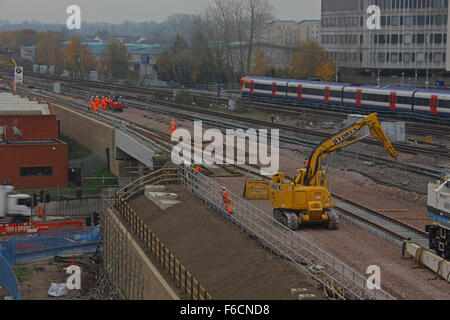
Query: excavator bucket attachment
(257, 189)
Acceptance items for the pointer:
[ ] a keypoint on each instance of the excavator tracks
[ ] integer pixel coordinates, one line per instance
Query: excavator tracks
(288, 219)
(333, 222)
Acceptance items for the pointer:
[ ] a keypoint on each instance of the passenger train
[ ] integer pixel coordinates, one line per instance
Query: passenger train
(417, 103)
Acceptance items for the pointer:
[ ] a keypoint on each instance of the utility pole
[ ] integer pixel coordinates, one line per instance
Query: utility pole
(378, 79)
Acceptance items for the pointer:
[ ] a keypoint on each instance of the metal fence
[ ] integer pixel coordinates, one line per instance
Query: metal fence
(70, 202)
(8, 278)
(179, 274)
(330, 273)
(121, 264)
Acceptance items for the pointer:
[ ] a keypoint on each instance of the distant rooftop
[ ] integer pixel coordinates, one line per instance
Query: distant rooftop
(15, 105)
(100, 48)
(309, 22)
(292, 22)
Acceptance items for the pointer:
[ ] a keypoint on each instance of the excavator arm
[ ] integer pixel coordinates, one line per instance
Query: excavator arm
(5, 63)
(344, 139)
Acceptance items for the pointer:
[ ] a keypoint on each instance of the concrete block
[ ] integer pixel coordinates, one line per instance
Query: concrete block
(430, 260)
(299, 290)
(163, 200)
(155, 188)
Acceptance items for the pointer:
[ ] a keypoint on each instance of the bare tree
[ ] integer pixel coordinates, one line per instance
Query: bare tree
(258, 12)
(239, 21)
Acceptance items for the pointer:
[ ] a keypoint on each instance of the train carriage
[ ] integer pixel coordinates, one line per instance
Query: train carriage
(379, 98)
(319, 92)
(415, 103)
(264, 87)
(432, 103)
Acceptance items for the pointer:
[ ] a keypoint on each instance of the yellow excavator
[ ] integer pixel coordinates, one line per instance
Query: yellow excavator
(307, 199)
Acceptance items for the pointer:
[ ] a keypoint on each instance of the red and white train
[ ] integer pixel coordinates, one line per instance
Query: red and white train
(434, 104)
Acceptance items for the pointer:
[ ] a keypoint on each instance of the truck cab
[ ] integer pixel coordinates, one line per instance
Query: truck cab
(13, 204)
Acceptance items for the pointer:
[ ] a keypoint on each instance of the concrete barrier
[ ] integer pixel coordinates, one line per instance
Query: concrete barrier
(157, 195)
(429, 259)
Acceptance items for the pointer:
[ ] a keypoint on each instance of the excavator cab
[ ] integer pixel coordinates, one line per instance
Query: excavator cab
(320, 181)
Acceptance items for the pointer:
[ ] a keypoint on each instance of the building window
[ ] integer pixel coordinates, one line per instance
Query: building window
(421, 20)
(420, 38)
(408, 21)
(437, 57)
(420, 57)
(394, 39)
(395, 21)
(438, 20)
(36, 171)
(394, 57)
(407, 57)
(408, 39)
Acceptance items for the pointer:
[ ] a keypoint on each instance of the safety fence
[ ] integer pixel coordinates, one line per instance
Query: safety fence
(123, 272)
(8, 278)
(62, 242)
(336, 278)
(69, 202)
(179, 274)
(15, 228)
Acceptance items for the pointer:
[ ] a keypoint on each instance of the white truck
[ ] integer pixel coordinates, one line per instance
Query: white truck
(14, 205)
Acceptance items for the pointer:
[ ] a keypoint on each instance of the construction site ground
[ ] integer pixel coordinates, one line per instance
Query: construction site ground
(360, 249)
(35, 278)
(224, 259)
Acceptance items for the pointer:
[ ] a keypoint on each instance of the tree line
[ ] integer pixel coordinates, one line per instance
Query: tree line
(221, 45)
(50, 49)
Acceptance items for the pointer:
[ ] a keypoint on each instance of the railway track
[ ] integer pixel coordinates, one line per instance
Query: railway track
(162, 106)
(412, 149)
(392, 227)
(412, 126)
(393, 230)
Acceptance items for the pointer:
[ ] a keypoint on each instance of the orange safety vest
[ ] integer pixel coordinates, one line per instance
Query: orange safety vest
(227, 201)
(104, 104)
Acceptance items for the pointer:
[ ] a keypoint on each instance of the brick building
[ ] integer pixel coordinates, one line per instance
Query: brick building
(33, 157)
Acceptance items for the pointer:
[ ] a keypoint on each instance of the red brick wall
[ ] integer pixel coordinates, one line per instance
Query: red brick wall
(16, 156)
(33, 127)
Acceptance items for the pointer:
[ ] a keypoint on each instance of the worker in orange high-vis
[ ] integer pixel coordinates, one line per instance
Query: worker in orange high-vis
(104, 105)
(92, 105)
(172, 128)
(108, 101)
(97, 105)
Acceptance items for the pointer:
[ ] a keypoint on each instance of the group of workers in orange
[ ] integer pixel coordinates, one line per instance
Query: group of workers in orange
(97, 102)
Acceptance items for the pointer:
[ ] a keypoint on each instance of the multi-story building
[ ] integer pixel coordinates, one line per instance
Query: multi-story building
(31, 153)
(413, 34)
(290, 33)
(309, 30)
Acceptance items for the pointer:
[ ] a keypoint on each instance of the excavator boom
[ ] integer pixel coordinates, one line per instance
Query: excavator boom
(344, 139)
(5, 63)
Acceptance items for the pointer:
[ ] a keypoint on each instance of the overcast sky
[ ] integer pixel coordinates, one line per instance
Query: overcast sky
(115, 11)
